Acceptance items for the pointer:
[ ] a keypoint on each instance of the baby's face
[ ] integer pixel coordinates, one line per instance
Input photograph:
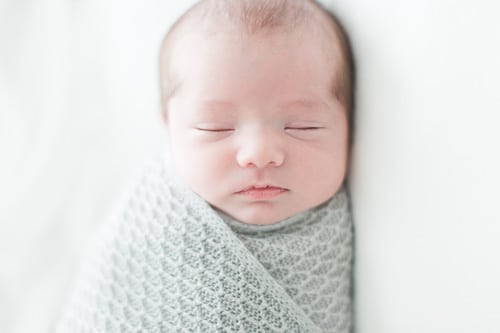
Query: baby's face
(254, 126)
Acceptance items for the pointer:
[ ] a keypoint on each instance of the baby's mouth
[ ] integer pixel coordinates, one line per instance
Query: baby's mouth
(262, 192)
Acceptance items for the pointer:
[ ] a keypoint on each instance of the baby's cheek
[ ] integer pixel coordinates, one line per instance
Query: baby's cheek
(205, 165)
(219, 155)
(326, 171)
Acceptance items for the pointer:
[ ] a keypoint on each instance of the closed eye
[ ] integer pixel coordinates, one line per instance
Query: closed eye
(305, 128)
(215, 130)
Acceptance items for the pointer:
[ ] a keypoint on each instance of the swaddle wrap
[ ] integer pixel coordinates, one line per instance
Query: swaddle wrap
(169, 262)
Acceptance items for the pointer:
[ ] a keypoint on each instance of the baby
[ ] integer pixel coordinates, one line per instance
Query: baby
(257, 98)
(251, 230)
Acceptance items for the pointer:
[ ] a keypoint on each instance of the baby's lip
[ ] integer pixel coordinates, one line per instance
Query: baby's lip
(262, 188)
(262, 192)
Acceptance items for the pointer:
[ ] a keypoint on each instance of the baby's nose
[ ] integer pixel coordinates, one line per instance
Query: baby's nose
(260, 149)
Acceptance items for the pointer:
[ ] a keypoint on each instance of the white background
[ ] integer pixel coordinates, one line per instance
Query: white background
(79, 113)
(425, 177)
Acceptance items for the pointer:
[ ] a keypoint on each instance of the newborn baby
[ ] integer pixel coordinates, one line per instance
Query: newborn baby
(249, 230)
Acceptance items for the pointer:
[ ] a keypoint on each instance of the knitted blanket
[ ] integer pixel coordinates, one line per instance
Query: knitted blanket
(169, 262)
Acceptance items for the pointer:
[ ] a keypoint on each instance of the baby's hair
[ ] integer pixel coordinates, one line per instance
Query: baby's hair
(253, 17)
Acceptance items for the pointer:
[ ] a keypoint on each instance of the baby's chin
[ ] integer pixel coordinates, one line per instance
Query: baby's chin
(269, 212)
(262, 216)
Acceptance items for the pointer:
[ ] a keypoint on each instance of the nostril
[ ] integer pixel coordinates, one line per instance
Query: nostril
(250, 165)
(260, 162)
(259, 152)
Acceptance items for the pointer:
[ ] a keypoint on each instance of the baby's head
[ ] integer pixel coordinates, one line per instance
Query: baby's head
(257, 98)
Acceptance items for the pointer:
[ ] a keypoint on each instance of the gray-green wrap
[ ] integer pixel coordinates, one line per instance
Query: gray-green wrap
(168, 262)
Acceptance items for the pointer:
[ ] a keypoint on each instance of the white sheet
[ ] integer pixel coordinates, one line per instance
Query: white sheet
(79, 112)
(425, 174)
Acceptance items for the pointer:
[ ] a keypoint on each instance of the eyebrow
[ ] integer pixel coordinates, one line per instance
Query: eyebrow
(213, 107)
(310, 105)
(305, 103)
(215, 104)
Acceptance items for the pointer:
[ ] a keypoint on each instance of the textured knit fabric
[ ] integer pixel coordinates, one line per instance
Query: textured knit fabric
(168, 262)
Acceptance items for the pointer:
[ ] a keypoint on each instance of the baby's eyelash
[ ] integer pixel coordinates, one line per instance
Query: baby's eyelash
(215, 130)
(305, 128)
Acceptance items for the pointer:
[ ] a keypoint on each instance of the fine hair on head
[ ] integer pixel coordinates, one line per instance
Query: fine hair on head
(260, 18)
